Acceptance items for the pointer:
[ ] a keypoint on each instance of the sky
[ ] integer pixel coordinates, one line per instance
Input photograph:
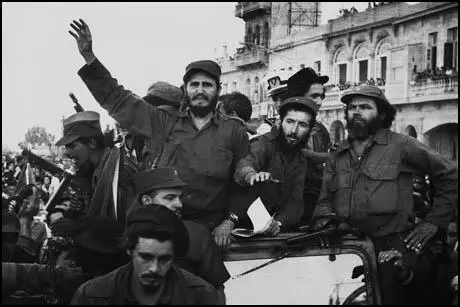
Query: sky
(139, 43)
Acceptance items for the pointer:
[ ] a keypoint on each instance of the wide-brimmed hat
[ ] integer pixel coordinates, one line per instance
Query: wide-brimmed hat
(158, 178)
(365, 90)
(80, 124)
(297, 84)
(208, 66)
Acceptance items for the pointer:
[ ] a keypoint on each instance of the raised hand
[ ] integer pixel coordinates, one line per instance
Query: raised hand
(84, 40)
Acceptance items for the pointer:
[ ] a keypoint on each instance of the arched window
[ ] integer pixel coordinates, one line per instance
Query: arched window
(340, 66)
(361, 63)
(257, 35)
(382, 59)
(255, 97)
(266, 34)
(247, 90)
(410, 131)
(249, 35)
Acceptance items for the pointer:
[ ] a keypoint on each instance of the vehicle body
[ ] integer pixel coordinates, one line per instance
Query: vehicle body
(313, 270)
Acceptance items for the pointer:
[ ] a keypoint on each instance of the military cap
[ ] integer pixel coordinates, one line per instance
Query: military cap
(156, 218)
(208, 66)
(298, 83)
(304, 101)
(158, 178)
(367, 91)
(168, 93)
(80, 124)
(10, 223)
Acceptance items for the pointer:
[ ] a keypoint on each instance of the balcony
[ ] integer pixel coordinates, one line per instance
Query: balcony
(251, 57)
(332, 99)
(243, 9)
(433, 89)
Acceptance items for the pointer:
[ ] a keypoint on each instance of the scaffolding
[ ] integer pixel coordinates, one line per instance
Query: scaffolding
(303, 15)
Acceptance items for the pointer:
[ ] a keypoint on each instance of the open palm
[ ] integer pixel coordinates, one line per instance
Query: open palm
(83, 37)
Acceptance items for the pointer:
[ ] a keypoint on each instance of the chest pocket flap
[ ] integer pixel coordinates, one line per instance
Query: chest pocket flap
(382, 171)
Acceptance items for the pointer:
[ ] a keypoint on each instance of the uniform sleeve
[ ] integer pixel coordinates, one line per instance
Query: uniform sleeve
(79, 297)
(125, 107)
(252, 163)
(326, 196)
(444, 177)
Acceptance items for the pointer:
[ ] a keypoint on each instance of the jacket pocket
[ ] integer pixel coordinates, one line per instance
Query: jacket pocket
(381, 188)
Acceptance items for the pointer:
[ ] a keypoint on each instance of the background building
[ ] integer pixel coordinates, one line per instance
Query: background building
(409, 51)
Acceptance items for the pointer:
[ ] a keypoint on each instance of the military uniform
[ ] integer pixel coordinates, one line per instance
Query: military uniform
(205, 158)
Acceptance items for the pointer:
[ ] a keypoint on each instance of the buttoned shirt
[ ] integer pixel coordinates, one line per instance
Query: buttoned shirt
(205, 158)
(374, 191)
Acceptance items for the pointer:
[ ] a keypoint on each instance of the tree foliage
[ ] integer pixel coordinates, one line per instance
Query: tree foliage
(38, 136)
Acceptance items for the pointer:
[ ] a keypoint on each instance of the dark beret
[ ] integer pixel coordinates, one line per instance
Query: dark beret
(156, 218)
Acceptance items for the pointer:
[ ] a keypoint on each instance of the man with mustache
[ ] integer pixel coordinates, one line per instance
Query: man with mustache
(154, 237)
(202, 144)
(368, 183)
(275, 168)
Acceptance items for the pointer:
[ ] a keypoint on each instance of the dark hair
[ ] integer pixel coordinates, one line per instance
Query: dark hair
(298, 107)
(238, 103)
(145, 230)
(100, 141)
(383, 107)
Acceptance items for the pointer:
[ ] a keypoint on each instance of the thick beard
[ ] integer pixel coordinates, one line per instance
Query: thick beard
(360, 129)
(202, 111)
(290, 147)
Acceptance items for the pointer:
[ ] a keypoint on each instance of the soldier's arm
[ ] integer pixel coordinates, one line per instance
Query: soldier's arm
(251, 164)
(125, 107)
(444, 177)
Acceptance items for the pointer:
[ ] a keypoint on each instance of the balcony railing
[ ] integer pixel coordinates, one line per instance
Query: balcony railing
(248, 7)
(428, 88)
(254, 56)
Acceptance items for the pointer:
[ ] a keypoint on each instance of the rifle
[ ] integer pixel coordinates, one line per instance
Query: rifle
(77, 106)
(66, 179)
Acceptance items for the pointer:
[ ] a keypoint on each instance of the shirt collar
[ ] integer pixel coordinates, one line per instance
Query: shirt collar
(215, 119)
(382, 137)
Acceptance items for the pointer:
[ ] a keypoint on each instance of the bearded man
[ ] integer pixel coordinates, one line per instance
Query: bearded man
(368, 183)
(275, 160)
(202, 144)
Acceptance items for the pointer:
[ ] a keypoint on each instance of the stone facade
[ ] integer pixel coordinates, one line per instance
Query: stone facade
(392, 45)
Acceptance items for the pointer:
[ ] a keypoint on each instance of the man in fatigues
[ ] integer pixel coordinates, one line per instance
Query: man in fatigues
(107, 185)
(202, 144)
(368, 183)
(154, 237)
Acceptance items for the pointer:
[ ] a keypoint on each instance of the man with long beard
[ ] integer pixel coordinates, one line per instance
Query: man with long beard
(203, 145)
(276, 162)
(368, 184)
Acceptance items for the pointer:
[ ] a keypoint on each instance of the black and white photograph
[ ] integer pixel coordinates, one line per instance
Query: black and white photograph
(229, 153)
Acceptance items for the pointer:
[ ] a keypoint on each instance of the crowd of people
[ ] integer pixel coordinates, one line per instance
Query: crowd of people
(342, 86)
(148, 218)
